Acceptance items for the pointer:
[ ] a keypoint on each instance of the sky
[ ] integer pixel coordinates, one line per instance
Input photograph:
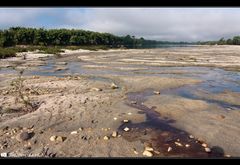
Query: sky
(172, 24)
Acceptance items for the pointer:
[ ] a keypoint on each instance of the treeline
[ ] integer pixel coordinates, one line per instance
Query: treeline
(231, 41)
(66, 37)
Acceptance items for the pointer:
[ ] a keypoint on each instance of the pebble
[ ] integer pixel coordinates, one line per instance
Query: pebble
(135, 152)
(129, 113)
(114, 118)
(125, 121)
(228, 156)
(187, 145)
(80, 129)
(133, 102)
(156, 92)
(207, 149)
(147, 153)
(157, 152)
(23, 136)
(74, 132)
(60, 138)
(126, 129)
(96, 89)
(105, 137)
(204, 145)
(114, 134)
(169, 149)
(4, 154)
(114, 86)
(53, 138)
(178, 144)
(191, 136)
(148, 148)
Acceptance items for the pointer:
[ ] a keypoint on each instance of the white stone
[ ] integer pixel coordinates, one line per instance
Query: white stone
(53, 138)
(105, 137)
(114, 134)
(191, 136)
(114, 118)
(74, 132)
(96, 89)
(207, 149)
(187, 145)
(129, 113)
(4, 154)
(169, 149)
(133, 102)
(126, 129)
(204, 145)
(125, 121)
(114, 86)
(156, 92)
(148, 149)
(178, 144)
(147, 153)
(135, 152)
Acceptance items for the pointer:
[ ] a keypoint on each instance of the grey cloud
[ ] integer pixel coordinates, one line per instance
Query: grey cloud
(190, 24)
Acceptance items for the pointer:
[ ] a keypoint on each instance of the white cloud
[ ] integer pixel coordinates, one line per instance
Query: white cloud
(191, 24)
(161, 23)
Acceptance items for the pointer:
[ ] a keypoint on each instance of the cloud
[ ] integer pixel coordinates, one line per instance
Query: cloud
(176, 24)
(161, 23)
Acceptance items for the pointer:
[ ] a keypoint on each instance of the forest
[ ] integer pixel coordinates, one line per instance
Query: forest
(66, 37)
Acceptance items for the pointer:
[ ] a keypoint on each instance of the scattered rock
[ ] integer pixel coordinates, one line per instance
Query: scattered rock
(187, 145)
(125, 121)
(178, 144)
(60, 138)
(129, 113)
(24, 136)
(157, 152)
(114, 134)
(156, 92)
(114, 86)
(133, 102)
(60, 68)
(114, 118)
(148, 148)
(105, 138)
(135, 152)
(5, 92)
(4, 154)
(74, 132)
(61, 63)
(191, 136)
(96, 89)
(147, 153)
(35, 77)
(169, 149)
(207, 149)
(204, 145)
(126, 129)
(53, 138)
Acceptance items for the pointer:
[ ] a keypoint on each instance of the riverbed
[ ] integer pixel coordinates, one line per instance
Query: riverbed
(167, 95)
